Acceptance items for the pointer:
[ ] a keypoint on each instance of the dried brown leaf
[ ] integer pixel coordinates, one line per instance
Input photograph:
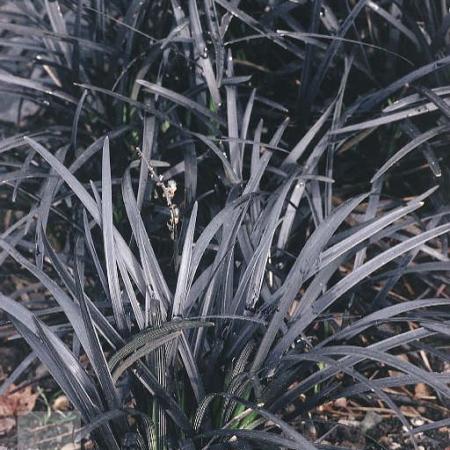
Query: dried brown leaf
(17, 403)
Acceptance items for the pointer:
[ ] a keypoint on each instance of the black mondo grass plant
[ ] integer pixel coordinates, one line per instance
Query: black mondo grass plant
(234, 213)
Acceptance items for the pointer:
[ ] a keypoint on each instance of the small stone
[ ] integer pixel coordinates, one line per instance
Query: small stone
(417, 421)
(371, 420)
(422, 391)
(341, 402)
(61, 403)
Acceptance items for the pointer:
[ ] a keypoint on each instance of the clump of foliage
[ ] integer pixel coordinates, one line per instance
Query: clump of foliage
(237, 211)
